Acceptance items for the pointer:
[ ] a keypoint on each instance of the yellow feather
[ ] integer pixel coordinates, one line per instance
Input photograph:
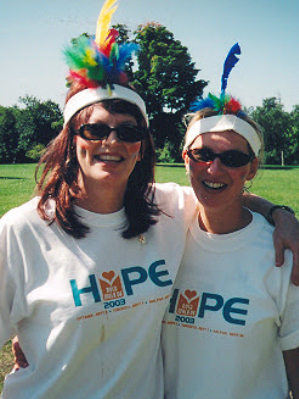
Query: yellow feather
(103, 24)
(89, 57)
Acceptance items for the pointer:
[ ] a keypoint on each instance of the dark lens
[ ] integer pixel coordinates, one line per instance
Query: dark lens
(234, 158)
(200, 155)
(129, 133)
(100, 131)
(94, 131)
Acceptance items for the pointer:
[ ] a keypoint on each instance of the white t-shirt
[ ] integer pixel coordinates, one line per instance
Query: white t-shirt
(231, 314)
(88, 312)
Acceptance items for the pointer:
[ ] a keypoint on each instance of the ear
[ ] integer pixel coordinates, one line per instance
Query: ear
(253, 168)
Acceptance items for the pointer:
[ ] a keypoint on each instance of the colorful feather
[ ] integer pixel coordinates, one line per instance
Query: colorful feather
(224, 104)
(100, 61)
(229, 63)
(233, 106)
(103, 22)
(201, 104)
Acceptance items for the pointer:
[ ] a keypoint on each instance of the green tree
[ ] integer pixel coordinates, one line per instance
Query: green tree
(166, 74)
(166, 78)
(294, 136)
(8, 135)
(38, 123)
(124, 33)
(277, 126)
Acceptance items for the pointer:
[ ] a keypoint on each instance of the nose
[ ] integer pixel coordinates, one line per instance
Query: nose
(215, 165)
(111, 138)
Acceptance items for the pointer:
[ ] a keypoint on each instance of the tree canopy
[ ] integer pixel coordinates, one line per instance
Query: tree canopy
(166, 77)
(28, 127)
(8, 135)
(166, 74)
(281, 131)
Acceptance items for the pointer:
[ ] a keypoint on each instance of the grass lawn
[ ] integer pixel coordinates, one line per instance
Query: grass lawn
(6, 362)
(16, 185)
(278, 185)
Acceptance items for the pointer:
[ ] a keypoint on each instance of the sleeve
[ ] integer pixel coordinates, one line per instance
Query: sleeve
(7, 289)
(191, 205)
(173, 199)
(289, 329)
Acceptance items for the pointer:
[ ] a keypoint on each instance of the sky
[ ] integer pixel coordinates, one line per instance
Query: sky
(33, 34)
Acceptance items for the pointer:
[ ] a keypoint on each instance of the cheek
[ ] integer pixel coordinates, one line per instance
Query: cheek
(82, 146)
(134, 150)
(240, 176)
(246, 173)
(196, 168)
(81, 152)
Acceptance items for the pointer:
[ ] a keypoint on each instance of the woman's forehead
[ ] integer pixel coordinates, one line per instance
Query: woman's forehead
(228, 138)
(99, 113)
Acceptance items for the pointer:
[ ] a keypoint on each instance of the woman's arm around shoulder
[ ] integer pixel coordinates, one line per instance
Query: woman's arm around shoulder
(286, 232)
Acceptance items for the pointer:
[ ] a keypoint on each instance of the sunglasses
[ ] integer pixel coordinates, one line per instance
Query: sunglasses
(100, 131)
(231, 158)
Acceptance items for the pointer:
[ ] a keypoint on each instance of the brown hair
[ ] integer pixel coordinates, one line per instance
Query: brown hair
(59, 177)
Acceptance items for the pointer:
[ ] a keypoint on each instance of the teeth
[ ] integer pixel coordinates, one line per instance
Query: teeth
(106, 157)
(214, 185)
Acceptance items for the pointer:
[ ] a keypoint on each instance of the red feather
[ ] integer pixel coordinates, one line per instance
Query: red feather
(81, 77)
(233, 106)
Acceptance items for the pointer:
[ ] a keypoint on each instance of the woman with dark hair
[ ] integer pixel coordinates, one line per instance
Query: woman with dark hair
(86, 270)
(87, 266)
(62, 164)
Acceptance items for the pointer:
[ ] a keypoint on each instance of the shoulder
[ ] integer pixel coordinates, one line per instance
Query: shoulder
(260, 224)
(164, 192)
(173, 195)
(176, 200)
(18, 217)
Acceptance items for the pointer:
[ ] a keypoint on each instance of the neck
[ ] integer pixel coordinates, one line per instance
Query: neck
(223, 222)
(101, 199)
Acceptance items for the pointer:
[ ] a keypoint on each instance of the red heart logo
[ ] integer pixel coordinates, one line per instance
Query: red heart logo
(108, 275)
(190, 294)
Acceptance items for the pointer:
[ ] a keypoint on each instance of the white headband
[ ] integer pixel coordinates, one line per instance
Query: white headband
(221, 123)
(92, 96)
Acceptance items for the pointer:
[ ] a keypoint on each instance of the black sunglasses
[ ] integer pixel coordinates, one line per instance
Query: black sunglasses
(231, 158)
(100, 131)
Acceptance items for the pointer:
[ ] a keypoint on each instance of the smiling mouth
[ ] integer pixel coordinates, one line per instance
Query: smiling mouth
(214, 186)
(108, 158)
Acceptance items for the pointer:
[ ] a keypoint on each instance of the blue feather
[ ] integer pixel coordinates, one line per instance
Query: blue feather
(229, 63)
(125, 53)
(198, 105)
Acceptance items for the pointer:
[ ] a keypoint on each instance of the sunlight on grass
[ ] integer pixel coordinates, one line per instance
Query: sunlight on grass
(16, 185)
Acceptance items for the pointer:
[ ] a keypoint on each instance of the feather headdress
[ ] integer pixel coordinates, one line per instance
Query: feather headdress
(225, 103)
(99, 60)
(230, 114)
